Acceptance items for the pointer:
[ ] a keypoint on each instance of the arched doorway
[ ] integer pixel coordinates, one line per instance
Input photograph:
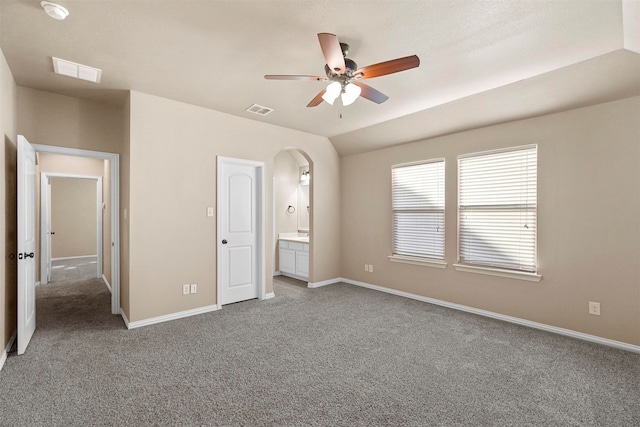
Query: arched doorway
(292, 220)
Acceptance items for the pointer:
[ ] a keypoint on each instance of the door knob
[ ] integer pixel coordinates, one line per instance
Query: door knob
(224, 241)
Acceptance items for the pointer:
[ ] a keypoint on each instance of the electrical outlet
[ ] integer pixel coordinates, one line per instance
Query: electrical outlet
(370, 268)
(366, 267)
(194, 288)
(185, 289)
(594, 308)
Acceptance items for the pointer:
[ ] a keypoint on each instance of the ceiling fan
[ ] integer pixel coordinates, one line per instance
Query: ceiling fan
(345, 75)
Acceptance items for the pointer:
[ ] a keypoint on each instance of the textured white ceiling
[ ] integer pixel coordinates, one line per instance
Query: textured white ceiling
(214, 54)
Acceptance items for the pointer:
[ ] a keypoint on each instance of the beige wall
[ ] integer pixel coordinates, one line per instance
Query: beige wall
(173, 180)
(588, 221)
(8, 188)
(73, 217)
(51, 119)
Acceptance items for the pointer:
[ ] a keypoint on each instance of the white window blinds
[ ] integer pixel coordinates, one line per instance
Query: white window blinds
(497, 208)
(418, 209)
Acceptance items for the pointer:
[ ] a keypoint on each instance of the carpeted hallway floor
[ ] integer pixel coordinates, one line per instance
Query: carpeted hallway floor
(338, 355)
(73, 269)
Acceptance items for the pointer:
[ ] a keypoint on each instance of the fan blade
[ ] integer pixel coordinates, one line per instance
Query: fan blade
(388, 67)
(285, 77)
(370, 93)
(332, 53)
(317, 100)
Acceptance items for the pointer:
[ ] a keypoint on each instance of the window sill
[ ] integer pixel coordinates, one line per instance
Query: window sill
(520, 275)
(425, 262)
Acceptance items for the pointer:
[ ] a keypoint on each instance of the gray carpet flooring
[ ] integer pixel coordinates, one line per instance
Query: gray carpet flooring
(73, 269)
(338, 355)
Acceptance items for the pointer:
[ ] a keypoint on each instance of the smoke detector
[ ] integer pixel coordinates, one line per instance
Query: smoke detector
(55, 10)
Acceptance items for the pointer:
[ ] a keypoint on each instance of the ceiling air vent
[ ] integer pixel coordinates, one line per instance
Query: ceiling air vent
(79, 71)
(259, 109)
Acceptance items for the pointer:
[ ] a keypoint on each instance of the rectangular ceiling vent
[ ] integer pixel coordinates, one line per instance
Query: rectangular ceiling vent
(259, 109)
(78, 71)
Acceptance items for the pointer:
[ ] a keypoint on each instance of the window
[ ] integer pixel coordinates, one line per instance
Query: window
(497, 209)
(417, 192)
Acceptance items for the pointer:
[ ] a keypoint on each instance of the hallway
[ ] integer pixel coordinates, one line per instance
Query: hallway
(74, 299)
(73, 269)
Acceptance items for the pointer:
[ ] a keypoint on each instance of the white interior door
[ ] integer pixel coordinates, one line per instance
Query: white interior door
(238, 230)
(26, 243)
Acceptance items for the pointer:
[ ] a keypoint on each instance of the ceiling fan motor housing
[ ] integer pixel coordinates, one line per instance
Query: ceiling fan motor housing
(349, 65)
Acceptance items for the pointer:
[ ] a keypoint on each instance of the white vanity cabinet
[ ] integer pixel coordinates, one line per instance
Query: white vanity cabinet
(294, 259)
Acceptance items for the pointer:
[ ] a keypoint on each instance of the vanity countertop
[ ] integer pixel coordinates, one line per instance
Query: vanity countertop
(296, 239)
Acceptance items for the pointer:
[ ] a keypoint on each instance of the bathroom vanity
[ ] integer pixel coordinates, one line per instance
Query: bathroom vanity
(294, 257)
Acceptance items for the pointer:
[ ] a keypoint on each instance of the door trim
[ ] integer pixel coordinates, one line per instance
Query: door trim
(45, 201)
(260, 209)
(115, 208)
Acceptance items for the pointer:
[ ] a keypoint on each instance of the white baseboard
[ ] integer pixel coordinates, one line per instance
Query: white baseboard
(38, 283)
(167, 317)
(518, 321)
(277, 273)
(106, 282)
(314, 285)
(269, 295)
(3, 357)
(124, 318)
(74, 257)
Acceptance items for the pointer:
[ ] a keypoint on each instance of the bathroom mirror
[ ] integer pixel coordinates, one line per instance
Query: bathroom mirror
(303, 208)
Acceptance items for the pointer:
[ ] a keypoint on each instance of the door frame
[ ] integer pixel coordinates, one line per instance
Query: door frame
(115, 208)
(45, 237)
(260, 221)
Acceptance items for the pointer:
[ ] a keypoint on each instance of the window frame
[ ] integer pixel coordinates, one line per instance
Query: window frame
(418, 259)
(481, 268)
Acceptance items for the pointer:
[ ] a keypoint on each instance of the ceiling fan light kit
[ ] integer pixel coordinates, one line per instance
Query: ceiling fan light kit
(344, 74)
(331, 92)
(350, 93)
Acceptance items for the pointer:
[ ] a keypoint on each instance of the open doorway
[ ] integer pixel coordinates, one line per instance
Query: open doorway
(86, 239)
(71, 230)
(27, 168)
(292, 221)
